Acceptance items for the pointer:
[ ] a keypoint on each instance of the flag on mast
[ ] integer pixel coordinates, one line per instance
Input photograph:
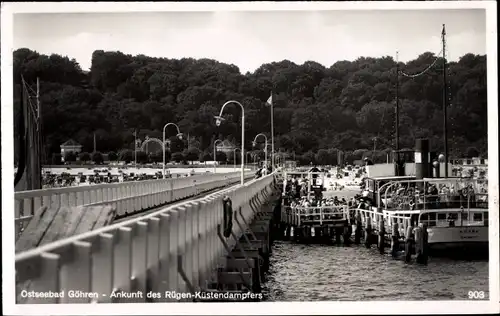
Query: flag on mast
(270, 100)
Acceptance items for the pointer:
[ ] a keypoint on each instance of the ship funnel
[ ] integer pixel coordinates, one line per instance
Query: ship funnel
(422, 159)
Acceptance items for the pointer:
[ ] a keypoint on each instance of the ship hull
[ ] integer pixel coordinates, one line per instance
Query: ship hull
(471, 240)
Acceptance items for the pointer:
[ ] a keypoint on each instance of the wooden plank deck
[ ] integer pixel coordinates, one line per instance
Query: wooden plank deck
(49, 225)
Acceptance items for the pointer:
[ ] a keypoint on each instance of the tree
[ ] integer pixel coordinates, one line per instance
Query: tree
(472, 152)
(112, 156)
(322, 157)
(126, 155)
(191, 154)
(168, 156)
(97, 158)
(333, 155)
(342, 106)
(221, 156)
(85, 156)
(359, 154)
(379, 156)
(142, 157)
(177, 157)
(56, 158)
(230, 157)
(156, 157)
(205, 156)
(69, 156)
(309, 158)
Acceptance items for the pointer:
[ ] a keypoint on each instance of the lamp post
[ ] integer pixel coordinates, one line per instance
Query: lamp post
(179, 135)
(272, 137)
(219, 119)
(265, 148)
(215, 154)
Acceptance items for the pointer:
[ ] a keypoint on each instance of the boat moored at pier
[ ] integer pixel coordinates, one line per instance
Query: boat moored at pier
(453, 211)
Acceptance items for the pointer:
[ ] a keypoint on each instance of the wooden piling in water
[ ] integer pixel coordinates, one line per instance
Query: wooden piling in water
(368, 232)
(409, 242)
(381, 236)
(347, 233)
(421, 244)
(358, 230)
(395, 240)
(338, 234)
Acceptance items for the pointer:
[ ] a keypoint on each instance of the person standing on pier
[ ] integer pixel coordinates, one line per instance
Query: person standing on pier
(314, 176)
(258, 173)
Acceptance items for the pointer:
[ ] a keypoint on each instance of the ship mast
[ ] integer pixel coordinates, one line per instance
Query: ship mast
(397, 115)
(445, 93)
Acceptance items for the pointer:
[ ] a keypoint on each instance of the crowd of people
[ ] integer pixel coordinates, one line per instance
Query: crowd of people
(65, 179)
(296, 192)
(436, 195)
(314, 202)
(263, 170)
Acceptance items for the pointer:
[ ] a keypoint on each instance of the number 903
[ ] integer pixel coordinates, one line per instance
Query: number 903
(476, 294)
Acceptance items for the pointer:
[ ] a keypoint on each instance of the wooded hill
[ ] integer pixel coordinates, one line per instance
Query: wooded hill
(318, 110)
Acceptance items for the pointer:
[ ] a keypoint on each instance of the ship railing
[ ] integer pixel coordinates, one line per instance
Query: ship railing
(391, 222)
(451, 187)
(400, 220)
(297, 215)
(436, 201)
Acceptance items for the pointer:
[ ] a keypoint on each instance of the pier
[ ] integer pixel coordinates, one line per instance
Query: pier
(127, 197)
(209, 237)
(217, 245)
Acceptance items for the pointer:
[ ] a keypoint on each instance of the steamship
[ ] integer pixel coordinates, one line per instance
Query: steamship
(454, 209)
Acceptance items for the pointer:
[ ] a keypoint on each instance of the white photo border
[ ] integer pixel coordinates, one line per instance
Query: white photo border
(261, 308)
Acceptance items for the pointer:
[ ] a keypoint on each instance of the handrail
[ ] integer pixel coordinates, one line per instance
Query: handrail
(324, 206)
(68, 241)
(61, 190)
(334, 209)
(128, 197)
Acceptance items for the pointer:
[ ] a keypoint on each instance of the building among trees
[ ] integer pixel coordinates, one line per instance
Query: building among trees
(70, 146)
(226, 147)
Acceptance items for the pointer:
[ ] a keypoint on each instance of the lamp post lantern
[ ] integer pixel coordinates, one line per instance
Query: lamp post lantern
(254, 143)
(219, 119)
(179, 135)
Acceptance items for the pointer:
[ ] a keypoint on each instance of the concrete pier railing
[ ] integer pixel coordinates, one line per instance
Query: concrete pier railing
(126, 197)
(174, 249)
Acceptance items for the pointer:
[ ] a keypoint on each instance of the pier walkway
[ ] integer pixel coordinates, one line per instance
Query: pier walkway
(127, 197)
(218, 242)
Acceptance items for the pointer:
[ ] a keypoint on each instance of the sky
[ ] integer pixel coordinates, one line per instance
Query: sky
(250, 39)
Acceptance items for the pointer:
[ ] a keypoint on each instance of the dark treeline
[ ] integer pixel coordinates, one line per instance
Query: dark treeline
(318, 110)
